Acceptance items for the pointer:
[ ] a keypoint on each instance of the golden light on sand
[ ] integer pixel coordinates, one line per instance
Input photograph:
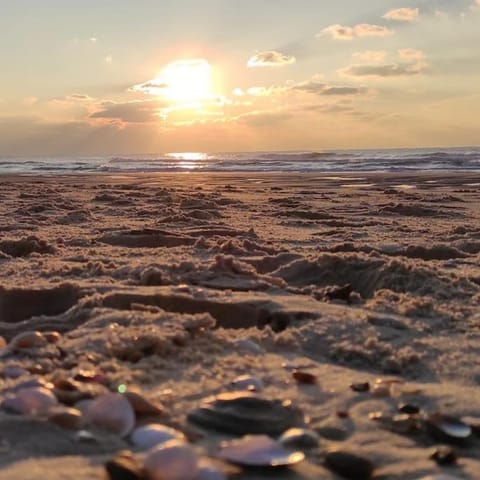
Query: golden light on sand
(187, 80)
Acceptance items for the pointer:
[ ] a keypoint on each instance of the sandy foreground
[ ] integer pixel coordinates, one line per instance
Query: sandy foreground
(176, 284)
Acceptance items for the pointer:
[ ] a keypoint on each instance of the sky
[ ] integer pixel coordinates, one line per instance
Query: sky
(112, 77)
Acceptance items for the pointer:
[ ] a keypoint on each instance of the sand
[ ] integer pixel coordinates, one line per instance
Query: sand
(128, 268)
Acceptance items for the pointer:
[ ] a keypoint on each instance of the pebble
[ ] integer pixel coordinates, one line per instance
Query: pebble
(143, 406)
(304, 377)
(349, 465)
(360, 387)
(444, 456)
(408, 408)
(248, 346)
(173, 460)
(209, 472)
(27, 340)
(149, 436)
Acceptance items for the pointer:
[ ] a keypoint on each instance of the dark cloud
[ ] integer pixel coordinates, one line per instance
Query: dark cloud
(270, 58)
(131, 112)
(385, 70)
(324, 89)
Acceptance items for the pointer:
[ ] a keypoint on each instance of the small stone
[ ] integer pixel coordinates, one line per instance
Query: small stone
(408, 408)
(360, 387)
(248, 346)
(349, 465)
(124, 466)
(27, 340)
(67, 418)
(30, 401)
(149, 436)
(444, 456)
(52, 337)
(304, 377)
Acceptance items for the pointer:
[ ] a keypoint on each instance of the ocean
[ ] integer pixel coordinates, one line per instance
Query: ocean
(340, 161)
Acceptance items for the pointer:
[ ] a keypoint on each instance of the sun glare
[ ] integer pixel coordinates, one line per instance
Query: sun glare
(187, 80)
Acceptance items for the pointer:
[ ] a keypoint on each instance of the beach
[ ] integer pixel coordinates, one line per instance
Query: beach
(175, 284)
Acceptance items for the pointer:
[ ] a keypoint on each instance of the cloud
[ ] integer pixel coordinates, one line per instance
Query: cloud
(151, 87)
(341, 32)
(260, 119)
(384, 70)
(373, 56)
(78, 97)
(411, 62)
(324, 89)
(402, 14)
(270, 58)
(131, 112)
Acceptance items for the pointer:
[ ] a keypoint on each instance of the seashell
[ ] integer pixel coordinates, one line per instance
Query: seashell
(84, 436)
(402, 423)
(243, 413)
(246, 382)
(209, 472)
(444, 456)
(112, 412)
(30, 401)
(124, 466)
(299, 438)
(27, 340)
(447, 428)
(84, 405)
(349, 465)
(52, 337)
(258, 451)
(440, 476)
(360, 387)
(473, 423)
(68, 418)
(248, 346)
(14, 372)
(173, 460)
(304, 377)
(143, 406)
(33, 383)
(150, 435)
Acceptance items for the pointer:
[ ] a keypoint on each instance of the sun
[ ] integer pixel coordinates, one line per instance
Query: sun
(187, 80)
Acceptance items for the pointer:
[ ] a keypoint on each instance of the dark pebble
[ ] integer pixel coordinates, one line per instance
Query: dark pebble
(304, 377)
(349, 465)
(408, 408)
(444, 456)
(360, 387)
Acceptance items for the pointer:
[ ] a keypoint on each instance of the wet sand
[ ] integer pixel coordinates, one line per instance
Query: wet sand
(351, 278)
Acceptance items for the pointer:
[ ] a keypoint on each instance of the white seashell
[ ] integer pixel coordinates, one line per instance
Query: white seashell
(246, 382)
(112, 412)
(299, 438)
(173, 460)
(30, 401)
(150, 435)
(258, 451)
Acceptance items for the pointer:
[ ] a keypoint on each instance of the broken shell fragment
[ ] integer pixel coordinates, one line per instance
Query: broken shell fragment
(143, 406)
(149, 436)
(112, 412)
(246, 382)
(447, 428)
(27, 340)
(124, 466)
(243, 413)
(258, 451)
(68, 418)
(299, 438)
(29, 401)
(349, 465)
(173, 460)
